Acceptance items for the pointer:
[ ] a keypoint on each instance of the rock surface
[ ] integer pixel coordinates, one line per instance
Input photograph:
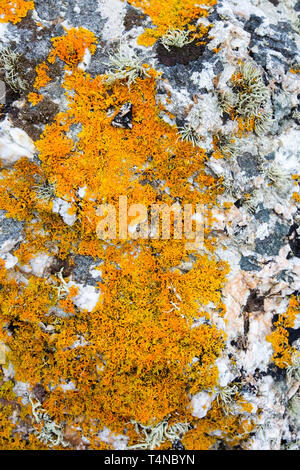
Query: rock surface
(257, 235)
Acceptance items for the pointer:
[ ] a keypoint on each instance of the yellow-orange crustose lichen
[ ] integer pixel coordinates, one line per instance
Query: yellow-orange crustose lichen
(135, 357)
(14, 10)
(34, 98)
(42, 78)
(279, 338)
(71, 47)
(177, 14)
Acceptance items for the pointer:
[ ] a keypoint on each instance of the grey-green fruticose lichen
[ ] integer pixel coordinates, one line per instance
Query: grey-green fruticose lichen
(9, 64)
(249, 97)
(175, 38)
(50, 434)
(125, 65)
(156, 435)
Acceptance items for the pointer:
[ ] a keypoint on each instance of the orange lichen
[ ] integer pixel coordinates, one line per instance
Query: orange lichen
(42, 78)
(34, 98)
(296, 197)
(279, 338)
(14, 10)
(170, 13)
(71, 47)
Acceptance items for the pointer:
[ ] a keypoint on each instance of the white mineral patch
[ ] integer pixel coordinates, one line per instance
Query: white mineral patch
(87, 297)
(8, 245)
(62, 207)
(113, 11)
(68, 386)
(85, 61)
(116, 440)
(10, 260)
(40, 263)
(205, 78)
(201, 403)
(14, 144)
(22, 389)
(288, 154)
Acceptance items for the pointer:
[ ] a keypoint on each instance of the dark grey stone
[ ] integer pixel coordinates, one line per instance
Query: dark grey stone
(89, 16)
(10, 228)
(248, 164)
(270, 157)
(218, 67)
(253, 23)
(248, 263)
(81, 272)
(271, 245)
(284, 276)
(263, 215)
(47, 9)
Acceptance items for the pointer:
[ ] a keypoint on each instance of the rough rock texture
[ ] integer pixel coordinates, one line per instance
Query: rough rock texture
(257, 235)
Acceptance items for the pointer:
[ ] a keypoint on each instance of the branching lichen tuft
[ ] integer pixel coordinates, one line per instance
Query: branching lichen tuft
(125, 65)
(9, 63)
(176, 38)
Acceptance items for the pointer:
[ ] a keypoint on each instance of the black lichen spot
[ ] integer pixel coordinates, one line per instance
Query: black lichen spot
(10, 97)
(239, 202)
(276, 373)
(179, 55)
(253, 23)
(255, 302)
(177, 445)
(294, 241)
(133, 18)
(26, 71)
(65, 266)
(40, 392)
(31, 119)
(124, 117)
(248, 164)
(294, 335)
(271, 245)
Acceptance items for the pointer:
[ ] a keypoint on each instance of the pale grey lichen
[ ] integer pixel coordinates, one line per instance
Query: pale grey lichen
(154, 436)
(296, 115)
(9, 60)
(62, 287)
(249, 97)
(125, 65)
(176, 38)
(251, 202)
(293, 369)
(294, 407)
(51, 434)
(188, 133)
(227, 100)
(225, 397)
(278, 177)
